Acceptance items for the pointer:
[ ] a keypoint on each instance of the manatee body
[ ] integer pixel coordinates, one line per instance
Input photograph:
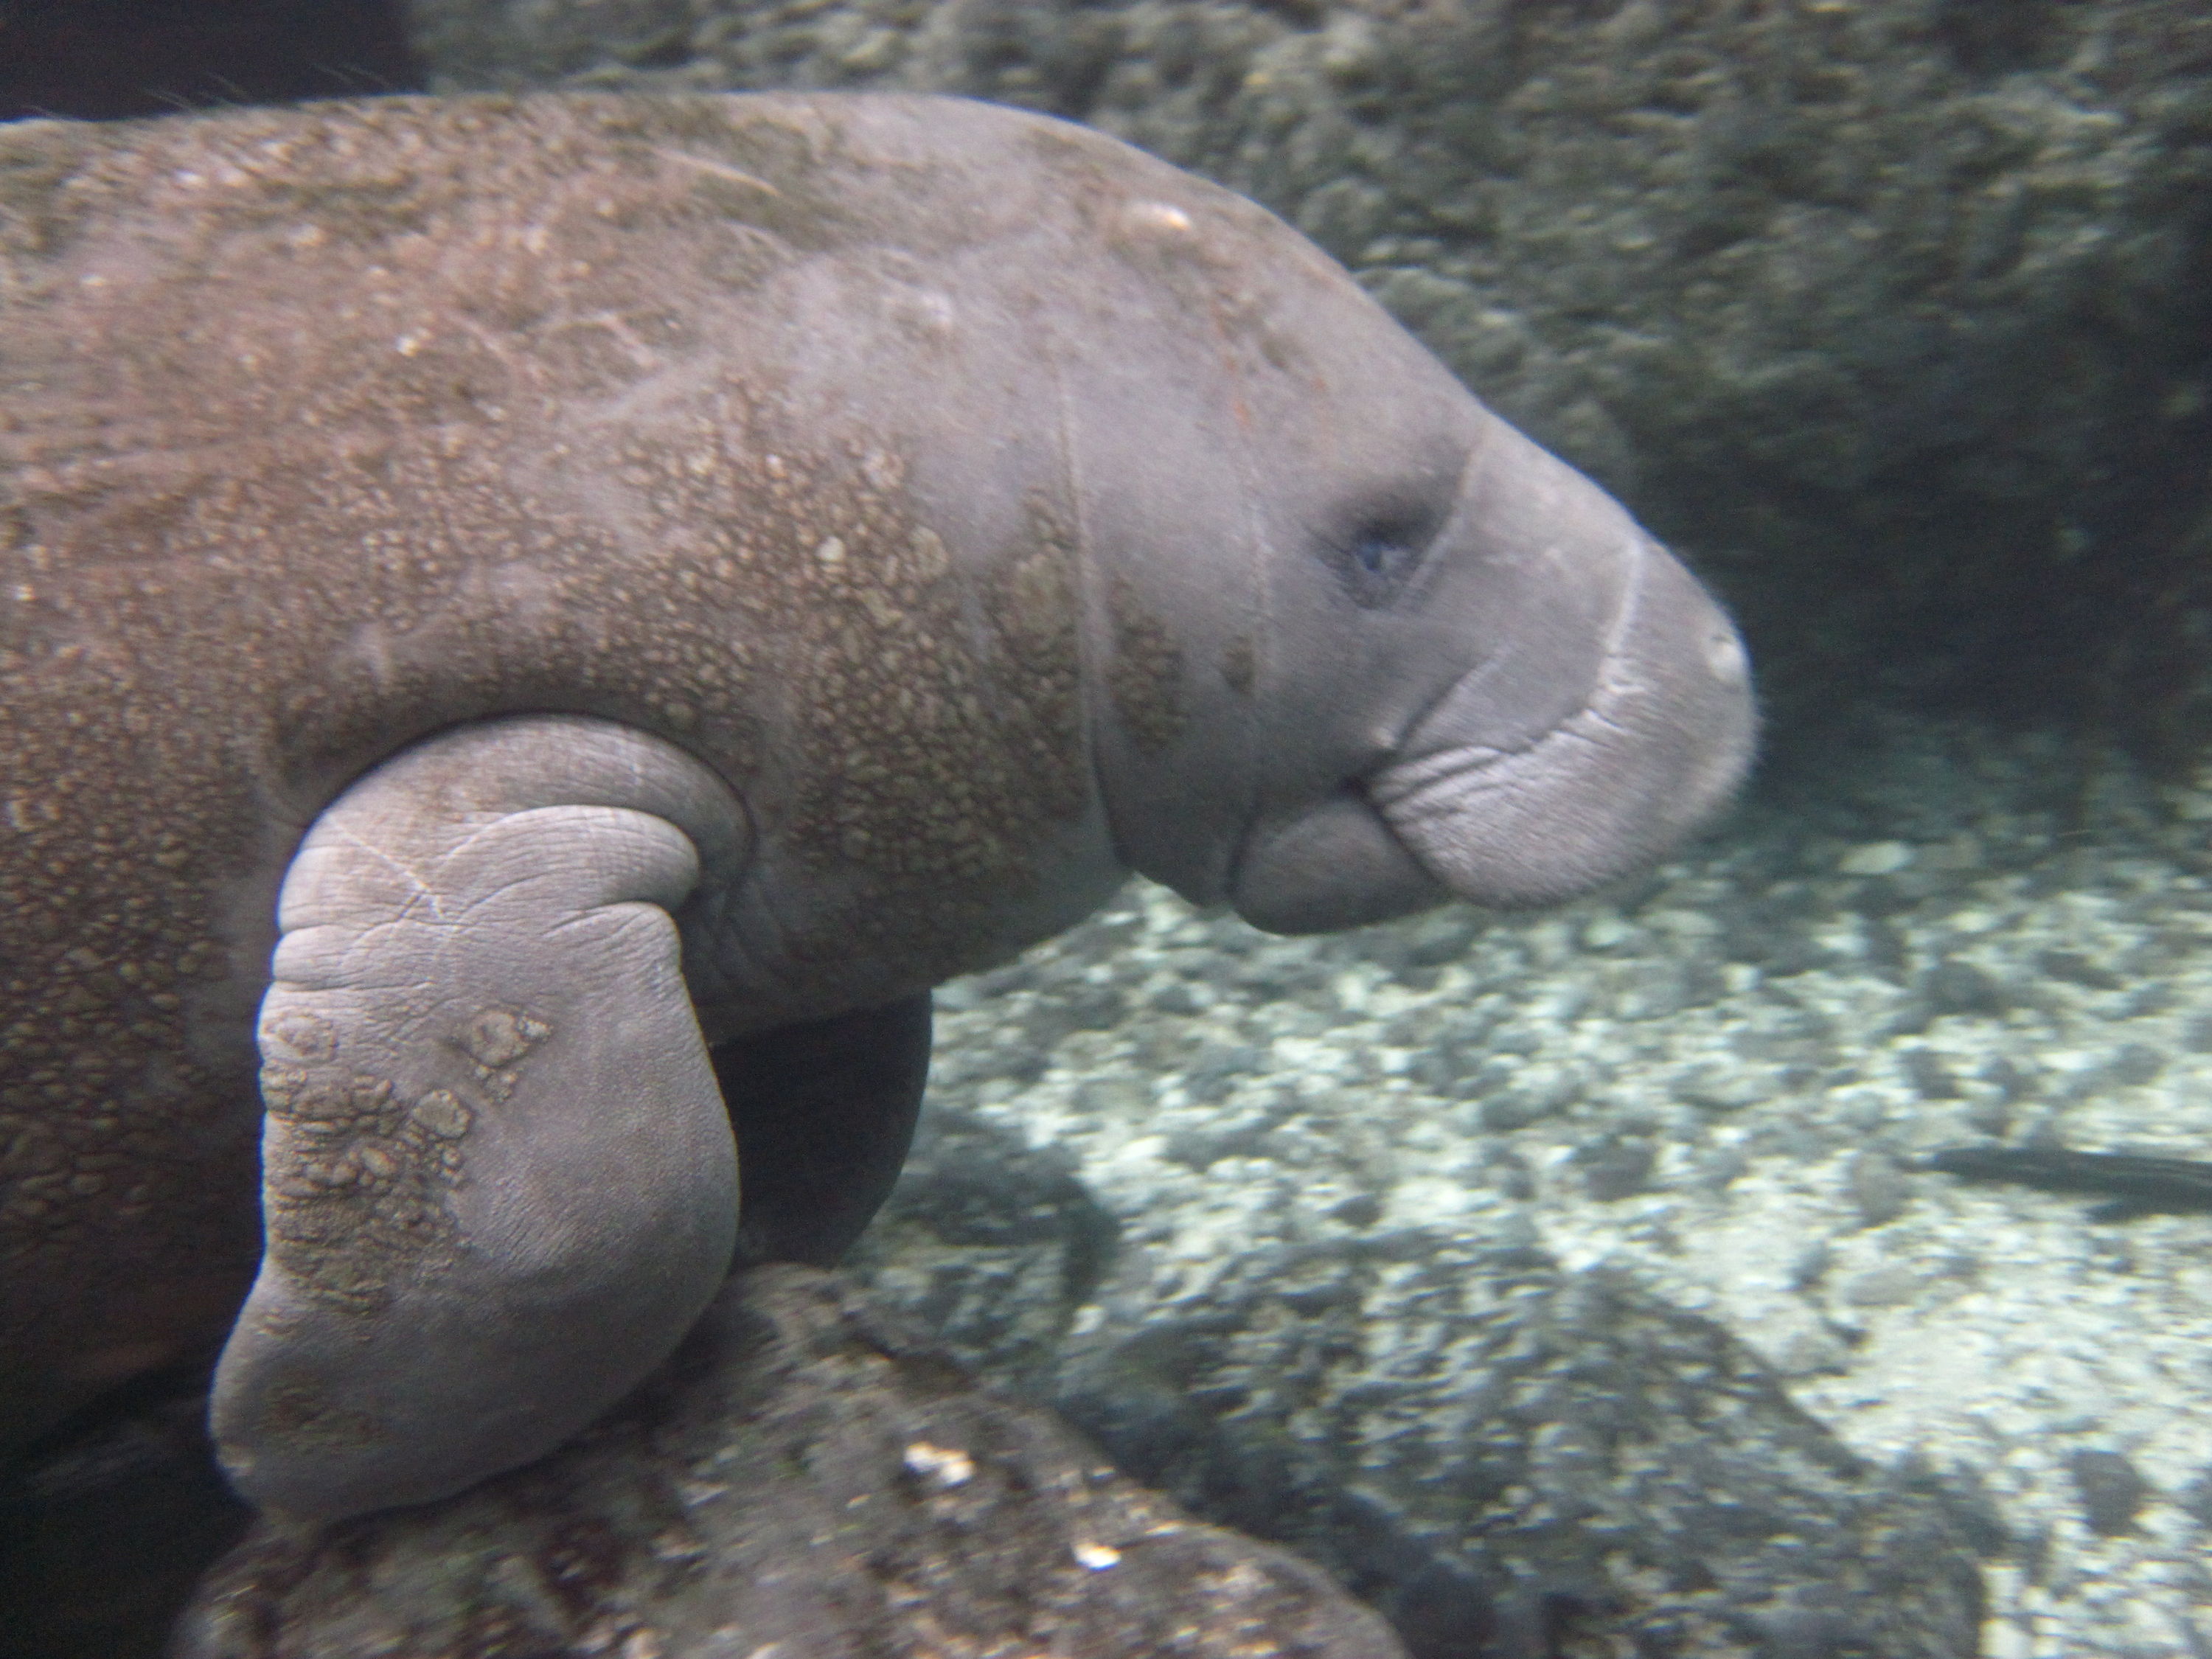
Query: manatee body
(534, 631)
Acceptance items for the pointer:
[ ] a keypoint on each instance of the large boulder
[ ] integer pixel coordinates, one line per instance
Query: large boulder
(1498, 1452)
(804, 1478)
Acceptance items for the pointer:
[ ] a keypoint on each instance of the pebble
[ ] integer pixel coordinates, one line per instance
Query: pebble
(1876, 858)
(2113, 1491)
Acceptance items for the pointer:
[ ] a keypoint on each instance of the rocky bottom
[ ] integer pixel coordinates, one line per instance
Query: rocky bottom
(803, 1479)
(1713, 1090)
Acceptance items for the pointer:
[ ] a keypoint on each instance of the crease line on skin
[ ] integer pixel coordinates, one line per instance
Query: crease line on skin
(1472, 767)
(1259, 585)
(1632, 598)
(1427, 710)
(596, 916)
(391, 861)
(610, 323)
(684, 158)
(1606, 681)
(1089, 669)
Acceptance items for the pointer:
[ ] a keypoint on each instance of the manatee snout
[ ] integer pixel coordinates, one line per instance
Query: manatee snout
(1658, 741)
(1550, 701)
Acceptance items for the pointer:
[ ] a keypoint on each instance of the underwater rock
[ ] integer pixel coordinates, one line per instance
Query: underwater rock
(2112, 1490)
(1589, 1463)
(1500, 1454)
(804, 1478)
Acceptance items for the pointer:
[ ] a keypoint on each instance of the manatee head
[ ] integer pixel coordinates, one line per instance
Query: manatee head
(1361, 647)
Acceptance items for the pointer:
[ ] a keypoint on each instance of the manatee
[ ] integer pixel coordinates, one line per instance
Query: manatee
(536, 629)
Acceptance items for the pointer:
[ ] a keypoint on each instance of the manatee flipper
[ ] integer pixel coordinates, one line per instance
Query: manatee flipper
(825, 1111)
(498, 1181)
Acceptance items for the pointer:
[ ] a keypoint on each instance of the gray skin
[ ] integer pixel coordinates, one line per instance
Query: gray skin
(535, 631)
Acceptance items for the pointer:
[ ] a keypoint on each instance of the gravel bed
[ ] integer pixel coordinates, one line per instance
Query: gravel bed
(1720, 1081)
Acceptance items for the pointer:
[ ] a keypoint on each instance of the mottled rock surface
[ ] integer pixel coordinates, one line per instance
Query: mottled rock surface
(1894, 313)
(1509, 1458)
(803, 1478)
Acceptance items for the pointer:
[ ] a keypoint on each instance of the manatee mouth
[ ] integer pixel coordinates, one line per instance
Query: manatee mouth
(1659, 742)
(1334, 866)
(1575, 755)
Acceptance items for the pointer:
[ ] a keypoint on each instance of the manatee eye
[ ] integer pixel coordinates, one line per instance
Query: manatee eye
(1375, 549)
(1379, 547)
